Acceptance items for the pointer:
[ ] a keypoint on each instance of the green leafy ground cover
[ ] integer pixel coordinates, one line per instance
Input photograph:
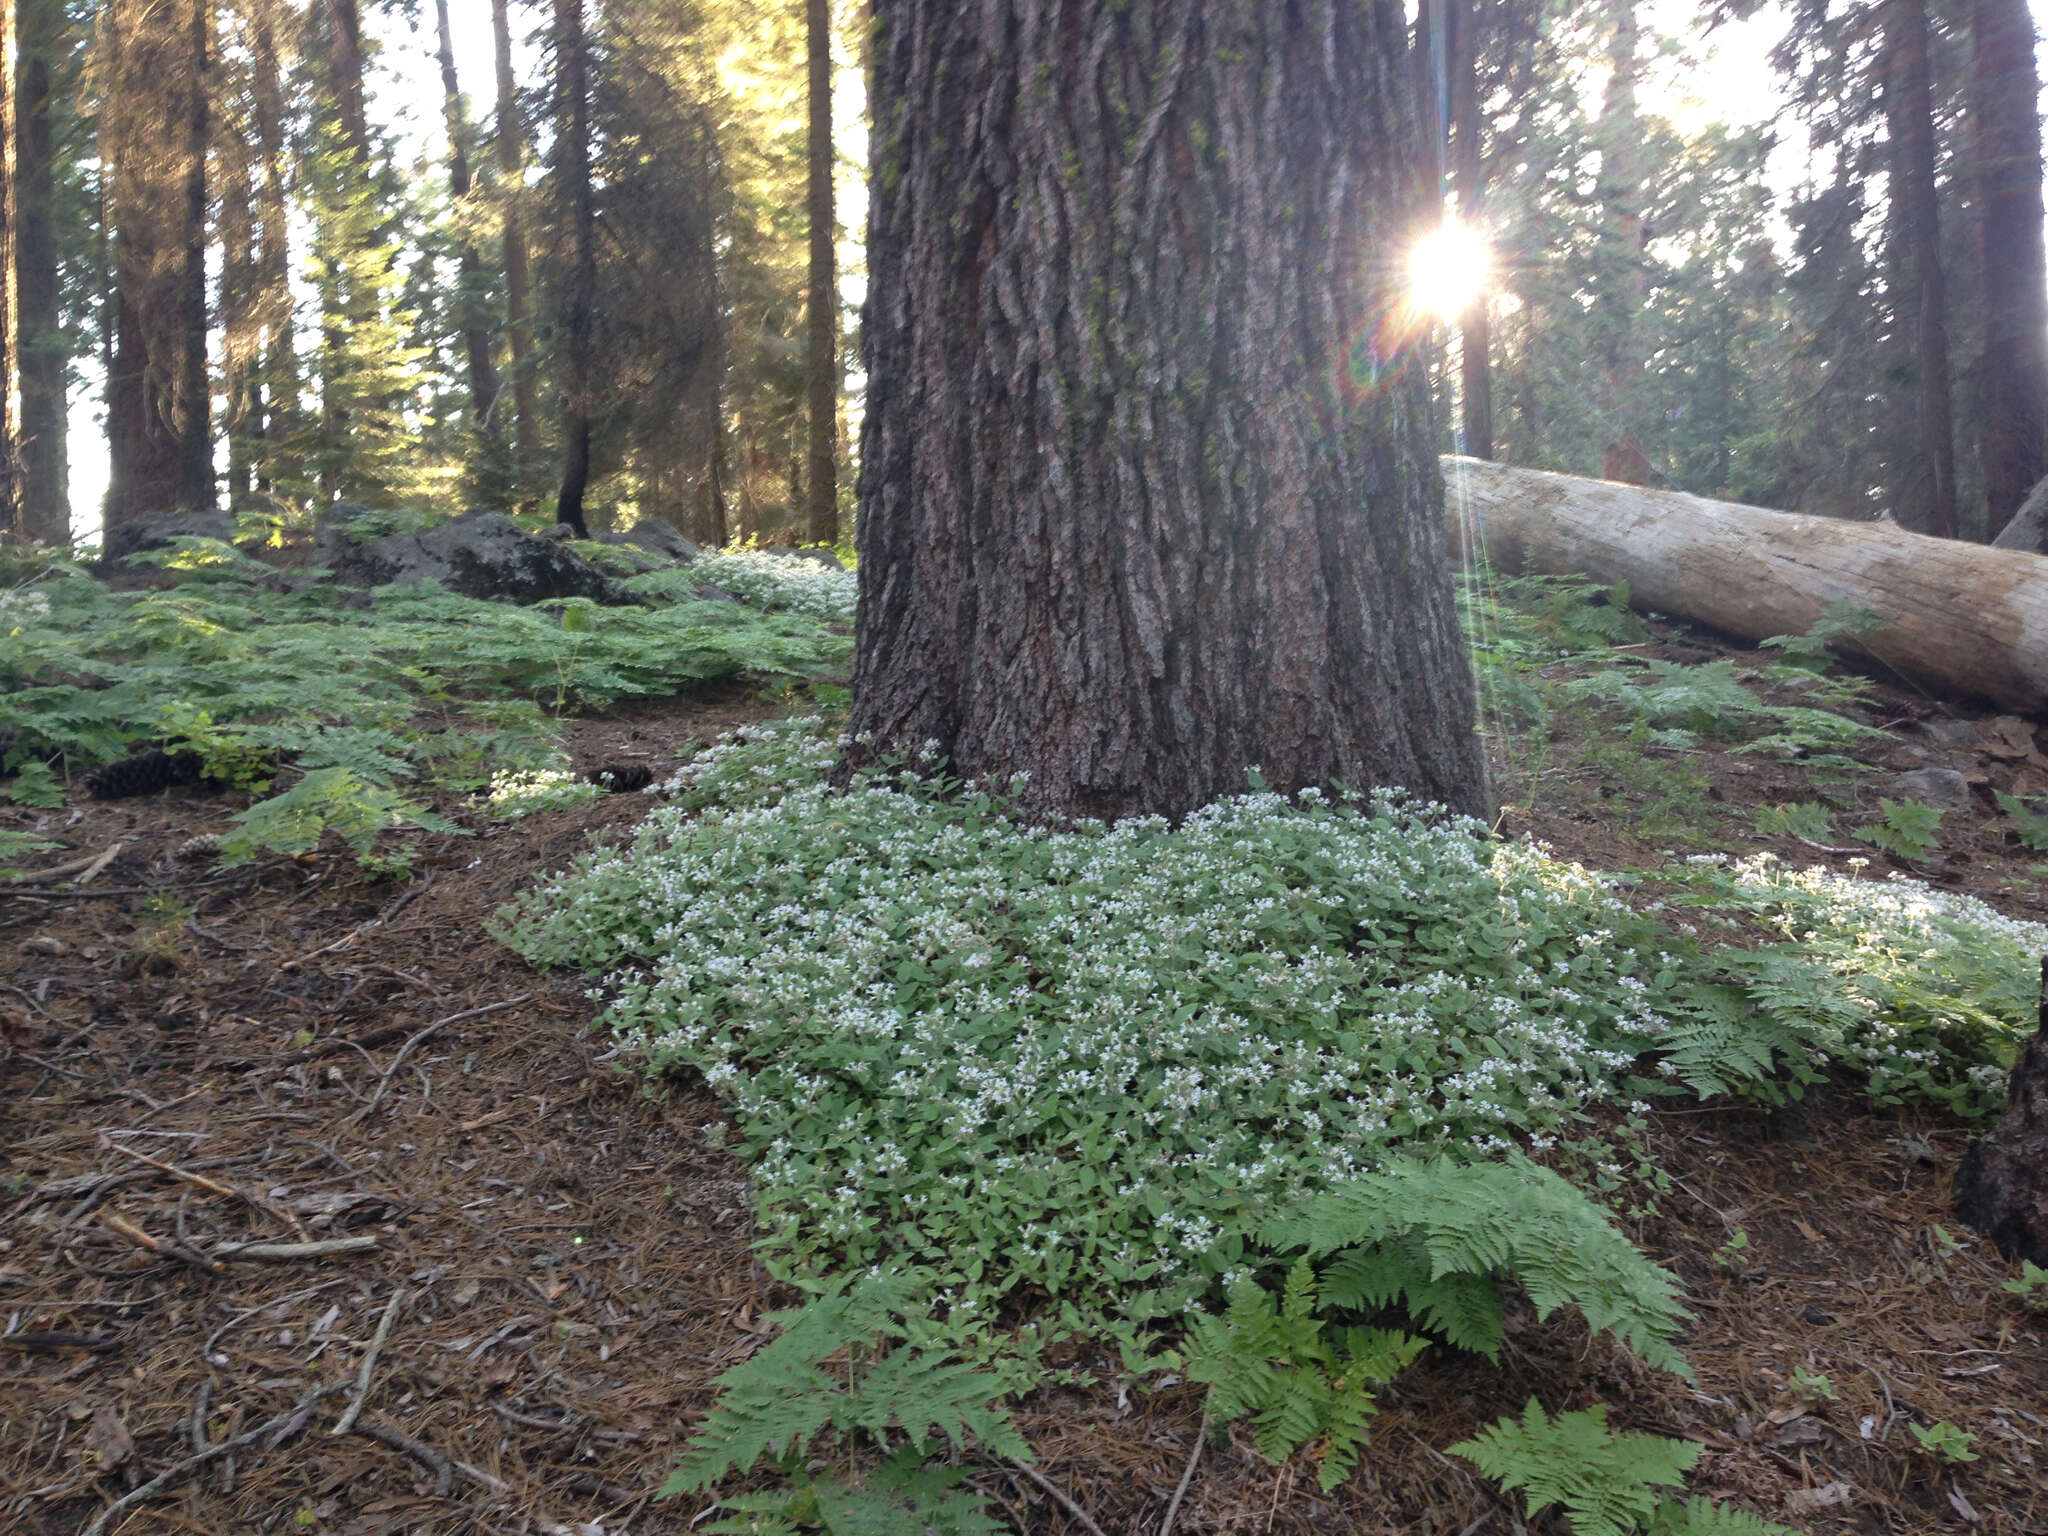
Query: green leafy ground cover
(1091, 1083)
(351, 707)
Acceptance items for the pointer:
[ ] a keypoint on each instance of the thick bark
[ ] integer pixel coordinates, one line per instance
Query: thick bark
(2001, 1187)
(10, 490)
(518, 320)
(578, 315)
(822, 488)
(1146, 500)
(1924, 471)
(476, 325)
(45, 490)
(1955, 618)
(2012, 380)
(152, 127)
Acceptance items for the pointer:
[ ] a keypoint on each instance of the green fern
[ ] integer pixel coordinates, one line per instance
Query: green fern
(1607, 1482)
(2032, 826)
(1909, 830)
(1297, 1378)
(1433, 1235)
(783, 1398)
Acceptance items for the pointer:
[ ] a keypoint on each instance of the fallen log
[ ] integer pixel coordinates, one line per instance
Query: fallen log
(1964, 620)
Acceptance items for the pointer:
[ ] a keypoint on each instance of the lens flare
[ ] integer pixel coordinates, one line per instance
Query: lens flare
(1448, 269)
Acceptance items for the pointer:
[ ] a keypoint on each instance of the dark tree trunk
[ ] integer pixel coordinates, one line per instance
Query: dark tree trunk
(579, 286)
(1475, 392)
(1621, 279)
(195, 388)
(518, 322)
(822, 489)
(1147, 499)
(272, 308)
(152, 126)
(345, 75)
(2002, 1185)
(2012, 382)
(1924, 471)
(45, 491)
(11, 519)
(476, 325)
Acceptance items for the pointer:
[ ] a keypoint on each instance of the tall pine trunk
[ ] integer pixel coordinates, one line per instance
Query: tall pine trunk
(518, 320)
(11, 519)
(272, 307)
(822, 485)
(577, 318)
(476, 325)
(345, 75)
(45, 490)
(2012, 383)
(1923, 473)
(1147, 495)
(1475, 341)
(1621, 280)
(152, 130)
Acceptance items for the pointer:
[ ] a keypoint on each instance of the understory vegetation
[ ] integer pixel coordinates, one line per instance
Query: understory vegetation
(1274, 1099)
(346, 711)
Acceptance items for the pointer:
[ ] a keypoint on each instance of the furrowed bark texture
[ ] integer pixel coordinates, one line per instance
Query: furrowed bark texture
(518, 323)
(821, 490)
(45, 486)
(2012, 382)
(1147, 494)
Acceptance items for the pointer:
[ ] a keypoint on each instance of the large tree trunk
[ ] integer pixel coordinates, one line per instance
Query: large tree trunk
(1468, 122)
(11, 521)
(1956, 618)
(1923, 472)
(2002, 1185)
(518, 319)
(272, 307)
(1147, 499)
(476, 327)
(45, 491)
(345, 76)
(822, 487)
(1620, 279)
(2012, 381)
(578, 315)
(151, 128)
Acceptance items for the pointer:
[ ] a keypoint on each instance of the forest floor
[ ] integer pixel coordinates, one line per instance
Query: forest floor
(552, 1265)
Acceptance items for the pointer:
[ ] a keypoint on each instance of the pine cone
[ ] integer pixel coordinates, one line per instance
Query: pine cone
(143, 774)
(621, 778)
(204, 846)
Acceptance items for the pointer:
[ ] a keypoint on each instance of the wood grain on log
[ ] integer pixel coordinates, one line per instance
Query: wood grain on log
(1963, 620)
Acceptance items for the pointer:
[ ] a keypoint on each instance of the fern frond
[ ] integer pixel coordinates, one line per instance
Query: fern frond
(1606, 1481)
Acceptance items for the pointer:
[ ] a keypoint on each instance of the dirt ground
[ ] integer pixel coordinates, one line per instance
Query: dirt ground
(521, 1270)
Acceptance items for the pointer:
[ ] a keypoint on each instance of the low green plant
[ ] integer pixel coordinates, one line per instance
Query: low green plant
(1910, 830)
(1944, 1442)
(16, 845)
(1733, 1254)
(514, 796)
(1605, 1482)
(336, 800)
(34, 784)
(2032, 826)
(1811, 1386)
(855, 1368)
(2031, 1286)
(1298, 1378)
(1806, 820)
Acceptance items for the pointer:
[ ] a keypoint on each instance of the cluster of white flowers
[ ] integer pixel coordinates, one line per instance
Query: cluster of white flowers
(940, 1029)
(513, 795)
(23, 606)
(782, 583)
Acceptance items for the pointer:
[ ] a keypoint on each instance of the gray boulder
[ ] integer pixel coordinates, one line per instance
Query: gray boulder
(479, 554)
(657, 538)
(155, 530)
(1943, 788)
(823, 557)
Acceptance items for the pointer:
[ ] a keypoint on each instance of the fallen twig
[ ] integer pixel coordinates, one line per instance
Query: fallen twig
(1053, 1488)
(390, 910)
(69, 867)
(354, 1410)
(445, 1468)
(51, 1341)
(405, 1050)
(1187, 1476)
(289, 1253)
(92, 870)
(197, 1459)
(200, 1180)
(162, 1247)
